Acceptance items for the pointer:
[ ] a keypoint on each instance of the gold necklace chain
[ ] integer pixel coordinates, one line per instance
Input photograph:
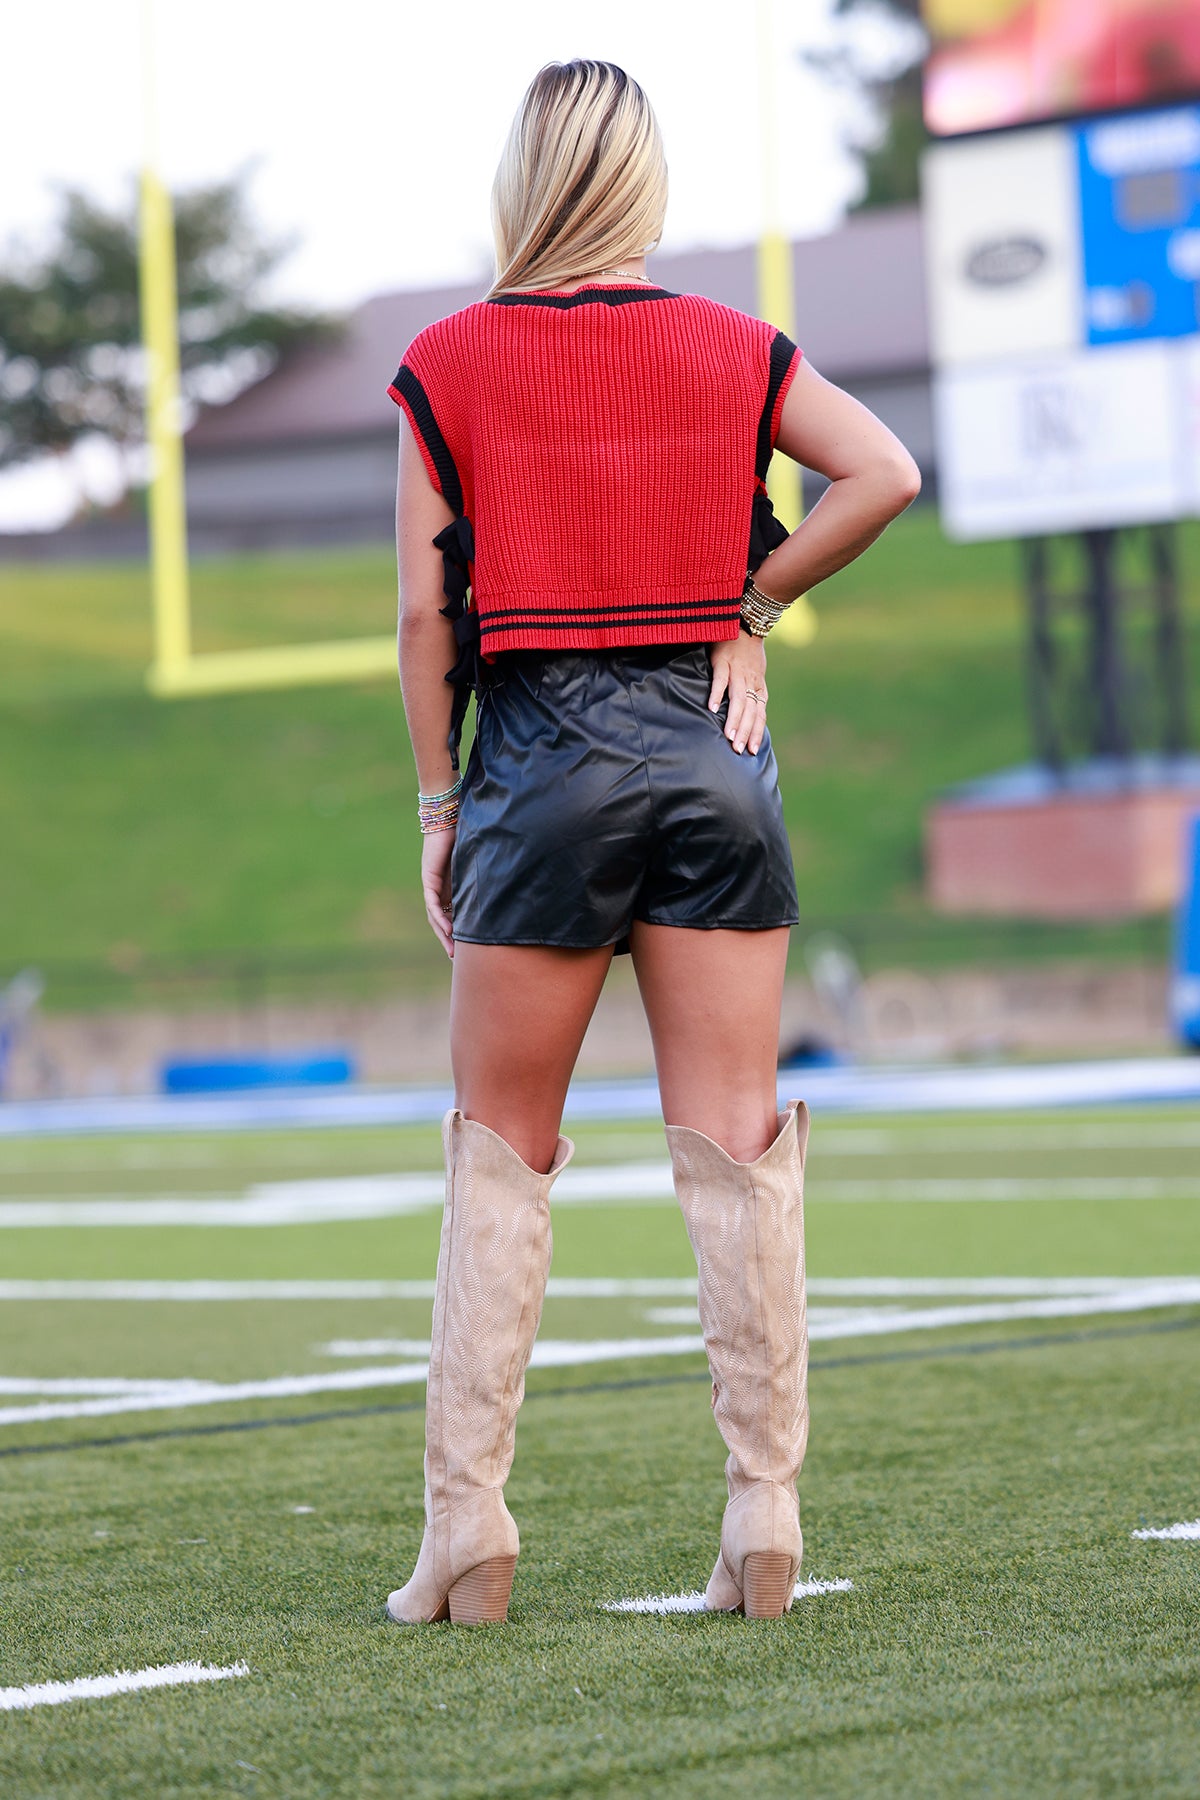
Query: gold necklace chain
(629, 275)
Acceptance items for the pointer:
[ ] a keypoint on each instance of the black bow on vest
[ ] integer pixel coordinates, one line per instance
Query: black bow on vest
(456, 542)
(766, 531)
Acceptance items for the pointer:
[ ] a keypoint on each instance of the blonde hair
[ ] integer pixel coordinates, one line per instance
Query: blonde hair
(582, 180)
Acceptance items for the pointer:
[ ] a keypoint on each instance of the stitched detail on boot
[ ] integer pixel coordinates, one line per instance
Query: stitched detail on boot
(748, 1235)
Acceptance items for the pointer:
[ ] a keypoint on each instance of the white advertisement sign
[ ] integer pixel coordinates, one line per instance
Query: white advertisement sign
(1003, 245)
(1060, 443)
(1188, 364)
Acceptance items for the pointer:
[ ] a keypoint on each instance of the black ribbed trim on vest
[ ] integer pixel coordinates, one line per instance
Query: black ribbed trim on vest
(614, 296)
(648, 611)
(782, 352)
(407, 384)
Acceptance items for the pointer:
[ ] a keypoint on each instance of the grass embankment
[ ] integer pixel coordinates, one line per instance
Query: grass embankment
(135, 829)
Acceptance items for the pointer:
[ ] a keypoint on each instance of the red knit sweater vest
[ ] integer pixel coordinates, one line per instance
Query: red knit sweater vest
(606, 446)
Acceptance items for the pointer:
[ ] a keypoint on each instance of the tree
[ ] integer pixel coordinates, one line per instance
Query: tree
(71, 362)
(876, 55)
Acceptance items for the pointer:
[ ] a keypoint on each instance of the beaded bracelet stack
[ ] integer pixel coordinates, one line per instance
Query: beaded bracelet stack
(759, 611)
(439, 812)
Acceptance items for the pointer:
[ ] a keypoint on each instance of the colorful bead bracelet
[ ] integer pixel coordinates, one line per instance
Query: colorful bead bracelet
(439, 812)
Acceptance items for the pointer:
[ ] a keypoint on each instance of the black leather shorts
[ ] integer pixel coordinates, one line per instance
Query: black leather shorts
(600, 789)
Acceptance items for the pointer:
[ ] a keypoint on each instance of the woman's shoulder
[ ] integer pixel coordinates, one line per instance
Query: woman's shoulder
(731, 316)
(448, 332)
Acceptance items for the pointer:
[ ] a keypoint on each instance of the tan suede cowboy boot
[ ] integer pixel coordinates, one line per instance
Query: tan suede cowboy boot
(491, 1279)
(746, 1225)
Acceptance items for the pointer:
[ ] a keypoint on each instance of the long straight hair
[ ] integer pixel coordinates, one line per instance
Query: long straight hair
(582, 180)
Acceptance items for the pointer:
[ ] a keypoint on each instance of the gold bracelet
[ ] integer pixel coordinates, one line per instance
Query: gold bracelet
(759, 611)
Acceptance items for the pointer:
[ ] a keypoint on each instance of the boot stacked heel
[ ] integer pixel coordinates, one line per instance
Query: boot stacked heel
(480, 1597)
(767, 1583)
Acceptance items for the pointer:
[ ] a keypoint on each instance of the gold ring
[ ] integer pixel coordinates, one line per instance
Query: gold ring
(751, 695)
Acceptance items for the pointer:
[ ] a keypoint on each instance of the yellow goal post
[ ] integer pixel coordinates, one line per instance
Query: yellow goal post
(177, 668)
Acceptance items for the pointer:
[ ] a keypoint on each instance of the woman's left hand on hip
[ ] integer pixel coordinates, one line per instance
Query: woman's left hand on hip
(739, 668)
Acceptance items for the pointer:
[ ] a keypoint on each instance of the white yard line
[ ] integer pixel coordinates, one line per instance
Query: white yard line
(881, 1321)
(570, 1353)
(833, 1322)
(1189, 1533)
(875, 1091)
(360, 1197)
(125, 1681)
(13, 1384)
(166, 1156)
(569, 1287)
(1040, 1139)
(694, 1603)
(216, 1393)
(913, 1287)
(1008, 1188)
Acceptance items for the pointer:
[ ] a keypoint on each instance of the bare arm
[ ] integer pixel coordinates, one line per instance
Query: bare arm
(425, 640)
(426, 648)
(872, 478)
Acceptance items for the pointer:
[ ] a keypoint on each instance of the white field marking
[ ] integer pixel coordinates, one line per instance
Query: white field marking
(836, 1140)
(125, 1681)
(833, 1322)
(1189, 1532)
(694, 1603)
(216, 1393)
(325, 1201)
(871, 1322)
(568, 1287)
(1040, 1139)
(14, 1384)
(912, 1287)
(1007, 1188)
(917, 1287)
(548, 1353)
(877, 1092)
(551, 1354)
(818, 1316)
(319, 1200)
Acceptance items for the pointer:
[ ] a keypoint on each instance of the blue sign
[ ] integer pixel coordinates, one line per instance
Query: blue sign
(1139, 185)
(1185, 979)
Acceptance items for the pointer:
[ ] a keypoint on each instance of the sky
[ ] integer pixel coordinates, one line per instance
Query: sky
(374, 129)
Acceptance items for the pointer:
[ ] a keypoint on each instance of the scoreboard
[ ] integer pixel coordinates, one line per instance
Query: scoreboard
(1139, 197)
(1063, 267)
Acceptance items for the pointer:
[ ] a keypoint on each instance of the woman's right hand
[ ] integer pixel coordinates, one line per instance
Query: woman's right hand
(436, 850)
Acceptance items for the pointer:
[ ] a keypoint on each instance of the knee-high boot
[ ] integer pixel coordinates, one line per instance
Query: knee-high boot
(746, 1225)
(491, 1279)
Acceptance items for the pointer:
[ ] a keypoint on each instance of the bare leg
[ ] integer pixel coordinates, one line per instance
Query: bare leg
(518, 1013)
(713, 1000)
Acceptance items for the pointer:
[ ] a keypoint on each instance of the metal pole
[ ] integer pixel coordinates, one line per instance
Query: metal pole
(1109, 726)
(1169, 644)
(1047, 739)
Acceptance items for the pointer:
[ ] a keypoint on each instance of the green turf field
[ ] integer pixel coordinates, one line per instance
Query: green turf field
(1005, 1386)
(136, 829)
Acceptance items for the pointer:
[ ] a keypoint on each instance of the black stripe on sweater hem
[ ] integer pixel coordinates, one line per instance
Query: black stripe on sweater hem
(407, 384)
(607, 296)
(782, 352)
(655, 609)
(604, 621)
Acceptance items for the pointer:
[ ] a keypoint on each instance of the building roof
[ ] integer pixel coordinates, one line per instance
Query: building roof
(860, 311)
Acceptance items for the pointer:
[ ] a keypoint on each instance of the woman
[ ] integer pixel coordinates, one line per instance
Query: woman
(589, 452)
